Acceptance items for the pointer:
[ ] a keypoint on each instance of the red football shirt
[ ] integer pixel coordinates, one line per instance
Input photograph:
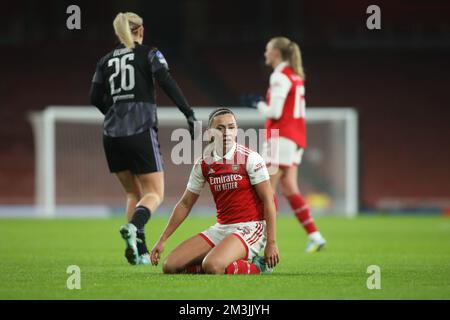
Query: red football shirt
(231, 180)
(291, 123)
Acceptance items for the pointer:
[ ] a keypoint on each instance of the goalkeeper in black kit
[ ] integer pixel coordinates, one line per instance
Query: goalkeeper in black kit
(123, 89)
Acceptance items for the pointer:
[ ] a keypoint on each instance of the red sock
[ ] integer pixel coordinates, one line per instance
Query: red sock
(242, 267)
(301, 211)
(194, 269)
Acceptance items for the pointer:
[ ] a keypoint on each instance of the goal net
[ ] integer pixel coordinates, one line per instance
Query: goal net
(72, 177)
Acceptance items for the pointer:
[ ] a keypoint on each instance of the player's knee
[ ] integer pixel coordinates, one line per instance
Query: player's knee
(133, 195)
(288, 193)
(213, 266)
(169, 266)
(161, 197)
(289, 188)
(158, 197)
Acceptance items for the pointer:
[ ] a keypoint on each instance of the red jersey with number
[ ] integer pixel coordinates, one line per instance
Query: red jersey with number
(291, 124)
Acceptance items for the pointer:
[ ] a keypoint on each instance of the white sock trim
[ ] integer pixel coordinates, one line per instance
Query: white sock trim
(315, 236)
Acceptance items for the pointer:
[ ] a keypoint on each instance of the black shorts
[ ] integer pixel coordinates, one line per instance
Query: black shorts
(139, 153)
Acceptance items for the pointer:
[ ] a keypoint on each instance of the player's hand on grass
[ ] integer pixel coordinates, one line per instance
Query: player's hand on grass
(250, 100)
(156, 252)
(271, 254)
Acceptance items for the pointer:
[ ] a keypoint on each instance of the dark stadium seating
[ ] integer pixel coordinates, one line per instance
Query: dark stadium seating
(405, 149)
(52, 81)
(404, 145)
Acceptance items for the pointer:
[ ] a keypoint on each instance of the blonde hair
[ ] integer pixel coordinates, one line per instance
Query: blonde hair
(125, 24)
(290, 51)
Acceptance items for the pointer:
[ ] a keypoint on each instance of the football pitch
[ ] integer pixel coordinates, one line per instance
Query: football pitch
(412, 252)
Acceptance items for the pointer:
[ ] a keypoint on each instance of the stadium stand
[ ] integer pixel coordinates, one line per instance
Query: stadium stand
(402, 99)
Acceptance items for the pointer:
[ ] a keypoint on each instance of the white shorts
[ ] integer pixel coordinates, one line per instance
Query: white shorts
(252, 235)
(281, 152)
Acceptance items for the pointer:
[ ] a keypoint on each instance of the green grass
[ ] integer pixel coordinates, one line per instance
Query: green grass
(412, 252)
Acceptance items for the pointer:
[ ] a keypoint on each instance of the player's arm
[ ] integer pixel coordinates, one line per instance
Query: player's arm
(179, 214)
(165, 80)
(279, 89)
(265, 193)
(259, 178)
(171, 88)
(97, 91)
(181, 210)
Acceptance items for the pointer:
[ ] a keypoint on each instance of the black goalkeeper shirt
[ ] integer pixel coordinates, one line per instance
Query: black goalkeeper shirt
(123, 89)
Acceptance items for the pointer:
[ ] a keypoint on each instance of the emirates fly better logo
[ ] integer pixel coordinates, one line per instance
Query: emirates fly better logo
(225, 182)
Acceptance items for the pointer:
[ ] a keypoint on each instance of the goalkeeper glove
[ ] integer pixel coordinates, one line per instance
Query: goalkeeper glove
(191, 123)
(251, 100)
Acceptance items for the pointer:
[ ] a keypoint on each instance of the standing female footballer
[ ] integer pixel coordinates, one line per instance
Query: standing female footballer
(246, 214)
(285, 111)
(123, 90)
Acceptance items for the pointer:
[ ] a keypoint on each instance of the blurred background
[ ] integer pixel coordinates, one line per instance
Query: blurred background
(396, 78)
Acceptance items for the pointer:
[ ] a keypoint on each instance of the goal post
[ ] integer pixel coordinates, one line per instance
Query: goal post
(72, 178)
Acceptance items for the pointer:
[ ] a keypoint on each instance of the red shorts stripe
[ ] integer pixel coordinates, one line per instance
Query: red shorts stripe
(207, 240)
(244, 243)
(258, 229)
(256, 239)
(254, 235)
(258, 236)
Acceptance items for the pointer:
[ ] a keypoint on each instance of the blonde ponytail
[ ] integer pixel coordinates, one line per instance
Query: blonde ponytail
(295, 59)
(290, 51)
(124, 26)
